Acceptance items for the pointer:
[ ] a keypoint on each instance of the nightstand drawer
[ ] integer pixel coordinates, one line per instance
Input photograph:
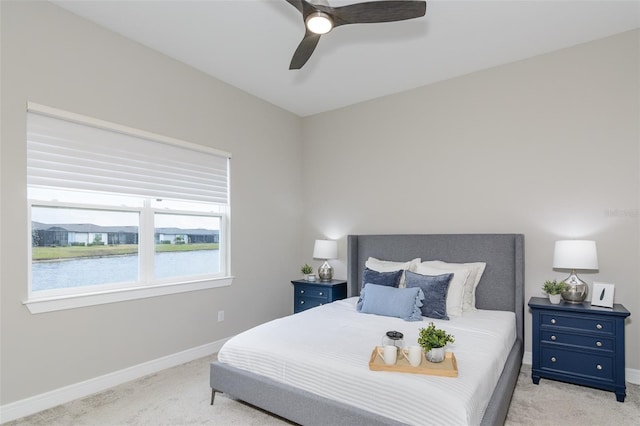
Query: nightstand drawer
(586, 341)
(578, 363)
(304, 303)
(311, 291)
(588, 323)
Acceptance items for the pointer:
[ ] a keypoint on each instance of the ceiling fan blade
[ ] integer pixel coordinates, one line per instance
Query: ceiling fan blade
(378, 11)
(296, 3)
(304, 50)
(305, 8)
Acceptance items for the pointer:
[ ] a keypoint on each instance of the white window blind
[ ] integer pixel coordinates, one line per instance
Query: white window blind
(70, 153)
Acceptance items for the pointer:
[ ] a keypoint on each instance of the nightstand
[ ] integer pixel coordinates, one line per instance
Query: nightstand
(579, 344)
(309, 294)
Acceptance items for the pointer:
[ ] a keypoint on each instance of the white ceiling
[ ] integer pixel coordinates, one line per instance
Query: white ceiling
(249, 43)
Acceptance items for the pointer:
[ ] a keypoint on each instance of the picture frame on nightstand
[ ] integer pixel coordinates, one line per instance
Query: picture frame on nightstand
(602, 295)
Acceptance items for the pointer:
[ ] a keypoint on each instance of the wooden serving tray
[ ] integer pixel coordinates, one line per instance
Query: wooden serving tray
(446, 368)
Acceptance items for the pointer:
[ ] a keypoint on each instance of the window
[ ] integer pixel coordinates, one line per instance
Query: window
(118, 213)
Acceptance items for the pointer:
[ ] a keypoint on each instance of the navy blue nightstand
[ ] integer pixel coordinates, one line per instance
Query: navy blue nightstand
(309, 294)
(579, 344)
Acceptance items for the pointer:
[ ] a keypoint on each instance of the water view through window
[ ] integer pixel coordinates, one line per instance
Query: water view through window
(186, 245)
(74, 247)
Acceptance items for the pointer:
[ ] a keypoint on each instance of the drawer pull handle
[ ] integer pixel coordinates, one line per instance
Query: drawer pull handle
(321, 294)
(599, 326)
(599, 367)
(553, 320)
(302, 302)
(598, 344)
(553, 338)
(553, 359)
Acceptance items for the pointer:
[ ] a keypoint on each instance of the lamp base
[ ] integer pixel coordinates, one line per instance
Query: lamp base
(325, 272)
(576, 291)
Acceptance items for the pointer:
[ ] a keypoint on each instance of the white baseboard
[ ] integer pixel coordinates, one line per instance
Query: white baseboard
(631, 374)
(34, 404)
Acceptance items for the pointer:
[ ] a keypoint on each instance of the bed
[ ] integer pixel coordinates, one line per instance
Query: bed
(500, 291)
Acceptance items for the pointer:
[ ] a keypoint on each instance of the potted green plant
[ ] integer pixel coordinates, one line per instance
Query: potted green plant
(307, 271)
(554, 289)
(433, 340)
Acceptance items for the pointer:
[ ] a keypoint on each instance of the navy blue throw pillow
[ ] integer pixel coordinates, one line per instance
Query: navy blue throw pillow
(389, 279)
(435, 289)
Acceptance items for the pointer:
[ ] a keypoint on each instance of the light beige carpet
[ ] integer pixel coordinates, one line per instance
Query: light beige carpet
(180, 396)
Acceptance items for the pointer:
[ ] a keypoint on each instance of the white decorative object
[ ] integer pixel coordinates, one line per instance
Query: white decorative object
(414, 355)
(325, 250)
(602, 295)
(555, 298)
(573, 255)
(435, 355)
(388, 353)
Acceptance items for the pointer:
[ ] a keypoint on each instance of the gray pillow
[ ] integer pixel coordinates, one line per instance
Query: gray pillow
(435, 289)
(391, 301)
(391, 279)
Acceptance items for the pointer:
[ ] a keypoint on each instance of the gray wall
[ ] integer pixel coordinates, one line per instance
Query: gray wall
(548, 147)
(52, 57)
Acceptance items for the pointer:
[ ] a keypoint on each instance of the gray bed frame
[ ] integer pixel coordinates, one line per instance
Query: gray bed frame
(501, 288)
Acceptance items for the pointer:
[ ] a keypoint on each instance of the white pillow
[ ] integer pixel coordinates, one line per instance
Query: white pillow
(390, 266)
(455, 294)
(476, 271)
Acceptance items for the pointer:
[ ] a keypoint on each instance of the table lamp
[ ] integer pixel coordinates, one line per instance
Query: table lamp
(325, 250)
(573, 255)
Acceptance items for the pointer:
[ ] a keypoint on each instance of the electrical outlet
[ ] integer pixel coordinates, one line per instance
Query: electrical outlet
(220, 316)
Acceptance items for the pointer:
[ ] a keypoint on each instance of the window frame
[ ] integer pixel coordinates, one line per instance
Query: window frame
(75, 297)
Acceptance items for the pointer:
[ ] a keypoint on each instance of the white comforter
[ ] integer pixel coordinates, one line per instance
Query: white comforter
(326, 351)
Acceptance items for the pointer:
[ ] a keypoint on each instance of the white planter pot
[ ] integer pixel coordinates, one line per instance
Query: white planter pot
(555, 298)
(435, 355)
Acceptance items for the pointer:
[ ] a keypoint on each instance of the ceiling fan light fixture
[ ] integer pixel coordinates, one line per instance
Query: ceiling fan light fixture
(318, 18)
(319, 23)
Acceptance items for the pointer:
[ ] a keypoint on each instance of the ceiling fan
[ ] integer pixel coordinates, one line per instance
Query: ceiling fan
(321, 18)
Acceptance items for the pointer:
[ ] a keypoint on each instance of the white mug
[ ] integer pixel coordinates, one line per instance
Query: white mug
(415, 355)
(389, 354)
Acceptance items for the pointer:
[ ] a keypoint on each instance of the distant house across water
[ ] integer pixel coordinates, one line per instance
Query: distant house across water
(43, 235)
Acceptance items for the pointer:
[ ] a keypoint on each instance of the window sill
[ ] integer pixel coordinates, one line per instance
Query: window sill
(38, 306)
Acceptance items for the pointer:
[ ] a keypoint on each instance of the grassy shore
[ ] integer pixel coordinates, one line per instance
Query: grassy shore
(52, 253)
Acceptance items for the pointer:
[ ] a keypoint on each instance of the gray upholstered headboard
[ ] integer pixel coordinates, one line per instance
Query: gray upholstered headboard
(502, 284)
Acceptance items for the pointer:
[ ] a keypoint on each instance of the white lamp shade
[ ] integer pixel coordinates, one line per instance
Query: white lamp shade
(325, 249)
(575, 254)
